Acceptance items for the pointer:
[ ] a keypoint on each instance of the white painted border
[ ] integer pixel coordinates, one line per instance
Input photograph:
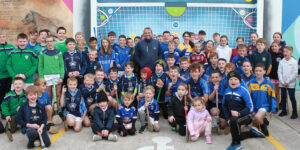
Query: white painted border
(93, 16)
(188, 5)
(260, 18)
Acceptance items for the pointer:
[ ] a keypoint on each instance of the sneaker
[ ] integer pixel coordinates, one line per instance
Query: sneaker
(226, 130)
(112, 137)
(9, 135)
(30, 145)
(208, 139)
(37, 143)
(235, 147)
(264, 129)
(142, 129)
(283, 113)
(97, 137)
(256, 132)
(294, 115)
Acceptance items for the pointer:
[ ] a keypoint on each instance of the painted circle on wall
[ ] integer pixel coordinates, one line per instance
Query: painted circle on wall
(175, 11)
(110, 11)
(242, 12)
(132, 35)
(102, 17)
(250, 19)
(175, 24)
(196, 37)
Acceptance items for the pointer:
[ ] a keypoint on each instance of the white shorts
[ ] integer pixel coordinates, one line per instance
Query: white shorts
(50, 77)
(25, 86)
(262, 109)
(77, 119)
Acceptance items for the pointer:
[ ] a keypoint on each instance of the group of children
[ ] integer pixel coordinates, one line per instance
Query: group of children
(196, 86)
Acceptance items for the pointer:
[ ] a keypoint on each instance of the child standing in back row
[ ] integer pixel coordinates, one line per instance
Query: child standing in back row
(287, 74)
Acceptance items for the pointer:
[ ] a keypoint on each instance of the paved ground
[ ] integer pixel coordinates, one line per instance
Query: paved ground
(285, 134)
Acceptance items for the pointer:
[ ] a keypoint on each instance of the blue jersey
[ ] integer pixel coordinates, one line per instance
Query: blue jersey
(176, 55)
(164, 47)
(209, 69)
(152, 107)
(263, 95)
(89, 94)
(122, 56)
(246, 79)
(74, 103)
(106, 60)
(92, 66)
(237, 99)
(126, 115)
(128, 84)
(221, 90)
(174, 86)
(198, 88)
(45, 99)
(74, 62)
(185, 73)
(142, 85)
(238, 62)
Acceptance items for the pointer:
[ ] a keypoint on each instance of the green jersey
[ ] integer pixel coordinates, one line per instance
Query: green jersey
(5, 49)
(60, 46)
(11, 102)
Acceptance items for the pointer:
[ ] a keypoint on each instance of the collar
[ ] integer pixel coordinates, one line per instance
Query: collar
(159, 75)
(75, 51)
(76, 90)
(132, 75)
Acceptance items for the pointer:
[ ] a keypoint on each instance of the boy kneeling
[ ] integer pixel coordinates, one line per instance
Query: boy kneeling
(32, 117)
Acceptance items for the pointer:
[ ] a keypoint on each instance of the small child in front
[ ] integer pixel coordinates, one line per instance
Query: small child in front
(199, 120)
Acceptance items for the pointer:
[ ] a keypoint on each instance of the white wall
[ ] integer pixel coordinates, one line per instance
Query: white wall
(272, 19)
(81, 17)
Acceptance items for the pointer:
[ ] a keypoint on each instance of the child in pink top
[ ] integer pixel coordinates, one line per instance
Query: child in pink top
(199, 120)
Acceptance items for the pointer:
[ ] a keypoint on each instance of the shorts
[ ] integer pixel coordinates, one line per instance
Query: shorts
(50, 77)
(77, 119)
(25, 86)
(274, 81)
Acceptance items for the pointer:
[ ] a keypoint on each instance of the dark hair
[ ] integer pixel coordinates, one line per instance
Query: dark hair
(61, 28)
(102, 97)
(122, 36)
(92, 39)
(113, 69)
(33, 31)
(261, 65)
(214, 71)
(68, 40)
(129, 63)
(173, 68)
(241, 46)
(44, 30)
(18, 78)
(170, 56)
(22, 36)
(111, 33)
(194, 66)
(175, 38)
(239, 38)
(102, 48)
(216, 34)
(202, 32)
(222, 59)
(166, 32)
(137, 37)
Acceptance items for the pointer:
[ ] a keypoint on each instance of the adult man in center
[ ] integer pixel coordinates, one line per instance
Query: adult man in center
(147, 51)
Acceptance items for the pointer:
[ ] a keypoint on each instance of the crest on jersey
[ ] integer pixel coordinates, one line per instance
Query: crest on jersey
(26, 57)
(56, 57)
(264, 59)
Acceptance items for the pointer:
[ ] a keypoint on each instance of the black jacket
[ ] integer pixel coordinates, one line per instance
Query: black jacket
(176, 107)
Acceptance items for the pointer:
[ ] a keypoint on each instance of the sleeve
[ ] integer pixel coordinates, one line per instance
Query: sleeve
(21, 117)
(170, 107)
(34, 61)
(97, 119)
(44, 116)
(272, 99)
(117, 58)
(41, 66)
(111, 118)
(141, 105)
(118, 115)
(82, 106)
(190, 124)
(137, 54)
(249, 105)
(83, 64)
(156, 113)
(65, 66)
(204, 87)
(134, 118)
(234, 59)
(4, 106)
(293, 75)
(269, 64)
(252, 60)
(280, 73)
(160, 52)
(207, 115)
(9, 68)
(225, 108)
(61, 66)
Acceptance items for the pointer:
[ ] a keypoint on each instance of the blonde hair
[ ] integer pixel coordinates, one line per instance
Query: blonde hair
(31, 89)
(290, 48)
(39, 81)
(82, 41)
(93, 51)
(128, 95)
(89, 76)
(151, 88)
(79, 33)
(198, 99)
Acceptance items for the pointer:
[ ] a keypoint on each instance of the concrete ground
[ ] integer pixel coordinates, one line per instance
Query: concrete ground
(285, 134)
